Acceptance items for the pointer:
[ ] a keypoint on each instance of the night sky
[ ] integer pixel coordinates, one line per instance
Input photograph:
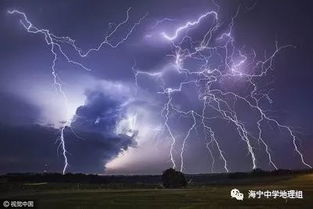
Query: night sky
(119, 117)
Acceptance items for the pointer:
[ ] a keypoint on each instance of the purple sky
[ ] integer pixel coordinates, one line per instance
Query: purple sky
(150, 103)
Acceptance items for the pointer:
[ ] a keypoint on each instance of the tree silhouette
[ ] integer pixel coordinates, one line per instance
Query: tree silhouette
(173, 179)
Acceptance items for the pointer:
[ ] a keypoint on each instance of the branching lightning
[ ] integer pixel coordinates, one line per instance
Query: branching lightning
(207, 79)
(221, 60)
(55, 43)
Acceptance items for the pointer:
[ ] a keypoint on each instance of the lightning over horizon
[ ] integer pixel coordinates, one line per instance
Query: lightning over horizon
(185, 87)
(55, 43)
(216, 98)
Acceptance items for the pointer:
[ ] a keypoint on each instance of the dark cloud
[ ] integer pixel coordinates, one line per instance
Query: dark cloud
(28, 147)
(15, 110)
(25, 59)
(91, 153)
(100, 113)
(96, 123)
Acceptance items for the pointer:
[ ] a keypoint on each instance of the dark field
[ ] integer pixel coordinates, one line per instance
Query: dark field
(139, 196)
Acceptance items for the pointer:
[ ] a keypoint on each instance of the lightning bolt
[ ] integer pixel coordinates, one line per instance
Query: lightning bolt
(55, 43)
(221, 60)
(208, 131)
(207, 79)
(188, 25)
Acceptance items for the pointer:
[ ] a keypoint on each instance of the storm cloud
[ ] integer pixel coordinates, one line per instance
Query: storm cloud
(91, 140)
(110, 110)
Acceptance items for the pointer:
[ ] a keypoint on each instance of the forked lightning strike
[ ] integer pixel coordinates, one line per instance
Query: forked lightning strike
(56, 42)
(206, 78)
(220, 60)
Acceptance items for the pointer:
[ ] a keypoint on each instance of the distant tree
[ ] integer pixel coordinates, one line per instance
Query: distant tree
(258, 172)
(173, 179)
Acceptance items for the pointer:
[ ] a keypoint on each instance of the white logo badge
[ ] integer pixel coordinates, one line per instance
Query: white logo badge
(6, 203)
(235, 193)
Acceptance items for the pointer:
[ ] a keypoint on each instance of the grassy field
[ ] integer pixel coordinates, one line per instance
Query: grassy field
(56, 196)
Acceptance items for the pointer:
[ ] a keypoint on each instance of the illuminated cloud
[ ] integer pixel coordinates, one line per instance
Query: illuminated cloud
(149, 86)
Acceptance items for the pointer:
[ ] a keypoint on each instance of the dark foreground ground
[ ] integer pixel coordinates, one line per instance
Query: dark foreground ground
(140, 196)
